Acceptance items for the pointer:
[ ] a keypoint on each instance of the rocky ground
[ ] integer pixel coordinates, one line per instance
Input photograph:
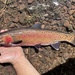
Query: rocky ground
(56, 15)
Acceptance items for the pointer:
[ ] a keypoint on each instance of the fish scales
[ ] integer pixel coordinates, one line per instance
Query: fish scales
(31, 37)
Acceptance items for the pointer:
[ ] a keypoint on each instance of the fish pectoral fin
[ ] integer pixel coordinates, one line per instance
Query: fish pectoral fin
(1, 45)
(38, 46)
(56, 45)
(36, 26)
(17, 42)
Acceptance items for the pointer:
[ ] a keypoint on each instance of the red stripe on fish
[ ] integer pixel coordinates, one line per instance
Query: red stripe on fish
(7, 39)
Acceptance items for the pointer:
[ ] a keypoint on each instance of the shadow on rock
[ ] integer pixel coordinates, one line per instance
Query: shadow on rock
(67, 68)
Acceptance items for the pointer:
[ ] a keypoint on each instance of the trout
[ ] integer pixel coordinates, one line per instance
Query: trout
(35, 37)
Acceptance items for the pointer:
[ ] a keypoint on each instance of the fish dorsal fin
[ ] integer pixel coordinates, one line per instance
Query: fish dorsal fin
(56, 45)
(36, 26)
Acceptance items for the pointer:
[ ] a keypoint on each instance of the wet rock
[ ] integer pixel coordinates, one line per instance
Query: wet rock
(74, 15)
(45, 15)
(21, 6)
(66, 24)
(22, 17)
(72, 7)
(16, 19)
(68, 4)
(71, 18)
(30, 1)
(14, 5)
(26, 51)
(43, 26)
(4, 1)
(71, 12)
(12, 25)
(1, 6)
(53, 23)
(73, 0)
(9, 1)
(7, 19)
(64, 9)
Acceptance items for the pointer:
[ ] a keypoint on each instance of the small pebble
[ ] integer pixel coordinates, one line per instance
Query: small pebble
(30, 1)
(71, 12)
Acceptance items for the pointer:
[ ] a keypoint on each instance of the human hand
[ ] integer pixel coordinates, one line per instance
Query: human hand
(10, 54)
(15, 56)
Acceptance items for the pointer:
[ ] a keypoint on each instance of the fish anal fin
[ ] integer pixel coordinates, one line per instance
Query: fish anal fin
(56, 45)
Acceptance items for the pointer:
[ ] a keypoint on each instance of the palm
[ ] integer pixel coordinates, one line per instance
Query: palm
(10, 54)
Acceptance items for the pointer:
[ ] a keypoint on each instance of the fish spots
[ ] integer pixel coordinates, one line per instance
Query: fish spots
(68, 37)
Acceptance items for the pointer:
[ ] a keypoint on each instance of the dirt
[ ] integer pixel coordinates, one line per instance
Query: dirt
(52, 14)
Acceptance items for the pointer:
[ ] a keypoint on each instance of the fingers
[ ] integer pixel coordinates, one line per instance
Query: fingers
(2, 49)
(5, 49)
(1, 55)
(7, 54)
